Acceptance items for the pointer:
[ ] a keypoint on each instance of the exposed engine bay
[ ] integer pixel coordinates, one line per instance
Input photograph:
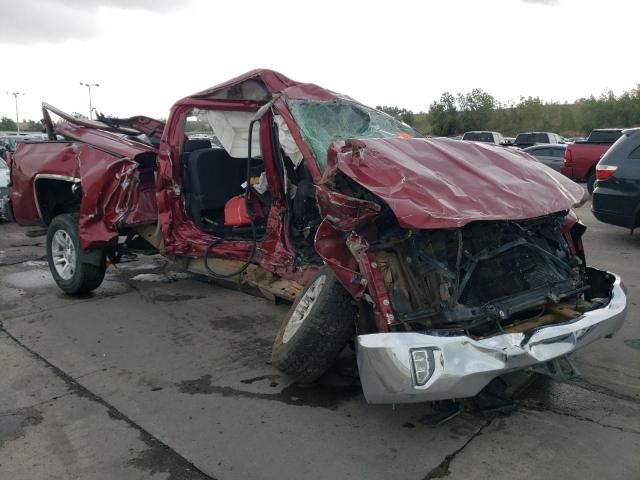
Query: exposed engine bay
(485, 278)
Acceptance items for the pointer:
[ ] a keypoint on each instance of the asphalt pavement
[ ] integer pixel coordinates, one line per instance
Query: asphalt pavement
(163, 375)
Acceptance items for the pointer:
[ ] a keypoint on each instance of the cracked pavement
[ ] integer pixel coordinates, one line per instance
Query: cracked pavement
(166, 376)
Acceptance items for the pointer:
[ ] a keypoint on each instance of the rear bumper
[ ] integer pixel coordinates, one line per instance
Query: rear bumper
(612, 218)
(575, 173)
(615, 207)
(462, 366)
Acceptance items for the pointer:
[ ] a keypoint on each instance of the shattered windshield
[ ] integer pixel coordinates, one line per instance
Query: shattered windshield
(323, 122)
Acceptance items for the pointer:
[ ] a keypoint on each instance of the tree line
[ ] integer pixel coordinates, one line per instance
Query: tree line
(479, 110)
(9, 125)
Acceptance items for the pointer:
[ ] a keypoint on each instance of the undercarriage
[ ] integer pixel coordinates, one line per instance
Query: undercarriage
(485, 278)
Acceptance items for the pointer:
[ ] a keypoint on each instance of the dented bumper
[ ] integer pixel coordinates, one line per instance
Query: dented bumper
(459, 366)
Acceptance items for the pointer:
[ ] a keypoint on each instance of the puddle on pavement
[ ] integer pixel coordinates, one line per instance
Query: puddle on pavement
(13, 426)
(295, 394)
(159, 459)
(568, 398)
(633, 343)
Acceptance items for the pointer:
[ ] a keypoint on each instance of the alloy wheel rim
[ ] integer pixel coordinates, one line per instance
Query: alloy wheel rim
(63, 253)
(303, 308)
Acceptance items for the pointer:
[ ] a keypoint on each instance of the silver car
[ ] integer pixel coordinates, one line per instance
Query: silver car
(4, 188)
(552, 155)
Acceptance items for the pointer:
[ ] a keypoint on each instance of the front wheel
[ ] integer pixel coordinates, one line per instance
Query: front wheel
(317, 328)
(64, 256)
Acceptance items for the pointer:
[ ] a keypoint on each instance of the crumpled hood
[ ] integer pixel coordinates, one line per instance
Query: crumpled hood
(444, 183)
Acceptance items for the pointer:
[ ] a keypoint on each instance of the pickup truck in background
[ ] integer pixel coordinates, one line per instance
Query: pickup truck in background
(529, 139)
(581, 158)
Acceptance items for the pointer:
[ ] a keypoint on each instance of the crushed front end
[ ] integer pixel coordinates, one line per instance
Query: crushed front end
(472, 303)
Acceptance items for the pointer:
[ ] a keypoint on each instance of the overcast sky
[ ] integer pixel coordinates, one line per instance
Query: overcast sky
(146, 54)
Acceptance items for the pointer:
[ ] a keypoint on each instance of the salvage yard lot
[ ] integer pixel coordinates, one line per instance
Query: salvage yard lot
(160, 374)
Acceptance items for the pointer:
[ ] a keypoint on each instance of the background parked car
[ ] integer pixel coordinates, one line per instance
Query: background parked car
(616, 198)
(4, 189)
(528, 139)
(551, 155)
(581, 158)
(484, 136)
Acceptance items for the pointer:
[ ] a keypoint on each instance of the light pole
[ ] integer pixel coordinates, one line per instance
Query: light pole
(15, 96)
(89, 85)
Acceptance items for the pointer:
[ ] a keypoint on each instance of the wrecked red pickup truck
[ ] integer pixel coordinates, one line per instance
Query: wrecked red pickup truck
(449, 263)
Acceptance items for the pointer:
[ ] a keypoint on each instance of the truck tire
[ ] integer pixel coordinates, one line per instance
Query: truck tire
(318, 326)
(65, 258)
(591, 181)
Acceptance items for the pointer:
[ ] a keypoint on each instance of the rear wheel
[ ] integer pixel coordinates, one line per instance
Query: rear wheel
(591, 182)
(318, 326)
(64, 256)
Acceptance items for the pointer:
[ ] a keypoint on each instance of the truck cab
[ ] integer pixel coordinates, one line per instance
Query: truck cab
(529, 139)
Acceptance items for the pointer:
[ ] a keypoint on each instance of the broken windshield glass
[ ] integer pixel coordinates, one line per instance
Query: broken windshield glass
(323, 122)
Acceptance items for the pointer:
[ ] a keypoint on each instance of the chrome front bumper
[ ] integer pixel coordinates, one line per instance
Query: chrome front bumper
(462, 366)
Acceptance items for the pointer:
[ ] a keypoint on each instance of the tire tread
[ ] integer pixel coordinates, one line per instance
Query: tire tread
(88, 277)
(324, 333)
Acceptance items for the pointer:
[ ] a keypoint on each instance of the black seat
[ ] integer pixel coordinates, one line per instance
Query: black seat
(192, 145)
(211, 177)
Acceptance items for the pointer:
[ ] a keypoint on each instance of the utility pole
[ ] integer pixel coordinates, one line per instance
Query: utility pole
(89, 85)
(15, 96)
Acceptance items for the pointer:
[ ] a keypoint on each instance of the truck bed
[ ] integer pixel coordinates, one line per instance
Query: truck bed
(111, 185)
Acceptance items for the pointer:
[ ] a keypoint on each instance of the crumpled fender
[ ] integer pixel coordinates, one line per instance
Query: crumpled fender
(331, 246)
(108, 185)
(342, 214)
(355, 268)
(343, 211)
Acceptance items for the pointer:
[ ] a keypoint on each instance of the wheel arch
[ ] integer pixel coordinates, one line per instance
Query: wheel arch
(56, 194)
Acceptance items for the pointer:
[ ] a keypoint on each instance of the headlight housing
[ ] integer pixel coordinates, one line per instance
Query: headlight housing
(423, 364)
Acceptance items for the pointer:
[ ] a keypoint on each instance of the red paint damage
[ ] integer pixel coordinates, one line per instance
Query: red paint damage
(444, 183)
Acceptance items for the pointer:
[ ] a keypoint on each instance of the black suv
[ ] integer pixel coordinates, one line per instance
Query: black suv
(616, 199)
